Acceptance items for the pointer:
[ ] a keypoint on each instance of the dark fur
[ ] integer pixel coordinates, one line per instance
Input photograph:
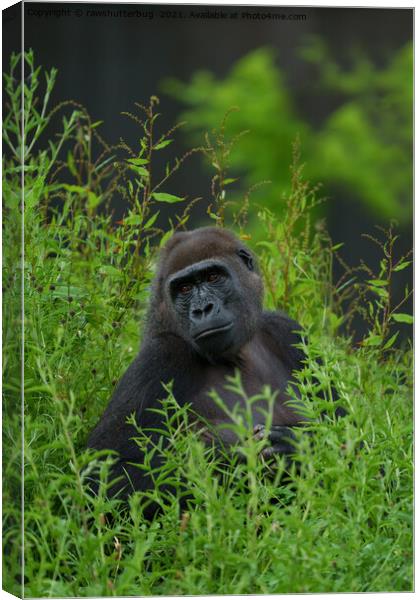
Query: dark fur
(266, 355)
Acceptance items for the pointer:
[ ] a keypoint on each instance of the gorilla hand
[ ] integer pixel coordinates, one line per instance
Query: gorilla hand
(280, 437)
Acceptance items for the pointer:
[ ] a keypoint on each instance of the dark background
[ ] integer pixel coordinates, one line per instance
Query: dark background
(109, 62)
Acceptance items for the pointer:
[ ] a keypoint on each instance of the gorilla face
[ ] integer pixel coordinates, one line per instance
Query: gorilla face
(206, 298)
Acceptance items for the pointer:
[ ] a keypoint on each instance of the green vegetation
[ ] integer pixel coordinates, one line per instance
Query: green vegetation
(342, 522)
(364, 146)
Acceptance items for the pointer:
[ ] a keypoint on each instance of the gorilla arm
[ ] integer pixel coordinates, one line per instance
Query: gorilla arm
(283, 336)
(139, 389)
(287, 335)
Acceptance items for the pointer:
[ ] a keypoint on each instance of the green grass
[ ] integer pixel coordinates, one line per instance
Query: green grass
(340, 523)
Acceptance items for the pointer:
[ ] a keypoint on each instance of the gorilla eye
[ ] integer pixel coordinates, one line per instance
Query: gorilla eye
(185, 288)
(212, 277)
(247, 258)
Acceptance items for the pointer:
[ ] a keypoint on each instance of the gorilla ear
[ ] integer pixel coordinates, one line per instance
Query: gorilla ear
(247, 258)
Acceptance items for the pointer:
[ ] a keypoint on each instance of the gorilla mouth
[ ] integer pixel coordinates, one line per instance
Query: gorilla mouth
(213, 330)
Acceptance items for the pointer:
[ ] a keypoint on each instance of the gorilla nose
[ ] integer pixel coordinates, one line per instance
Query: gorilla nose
(204, 312)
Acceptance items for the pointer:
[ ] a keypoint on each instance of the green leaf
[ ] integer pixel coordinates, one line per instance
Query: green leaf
(110, 270)
(229, 180)
(403, 318)
(152, 220)
(380, 282)
(269, 245)
(33, 195)
(169, 198)
(373, 340)
(133, 220)
(163, 144)
(139, 170)
(93, 200)
(75, 189)
(71, 164)
(402, 265)
(165, 238)
(137, 161)
(96, 124)
(381, 292)
(391, 341)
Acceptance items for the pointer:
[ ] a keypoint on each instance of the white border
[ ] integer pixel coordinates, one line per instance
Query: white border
(313, 4)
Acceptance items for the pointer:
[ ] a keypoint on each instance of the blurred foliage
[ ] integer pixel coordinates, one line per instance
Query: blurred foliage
(366, 144)
(363, 146)
(257, 87)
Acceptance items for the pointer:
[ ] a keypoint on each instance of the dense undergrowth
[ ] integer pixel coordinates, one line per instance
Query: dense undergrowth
(342, 522)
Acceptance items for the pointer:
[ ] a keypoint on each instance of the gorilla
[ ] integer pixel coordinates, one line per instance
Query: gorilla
(204, 321)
